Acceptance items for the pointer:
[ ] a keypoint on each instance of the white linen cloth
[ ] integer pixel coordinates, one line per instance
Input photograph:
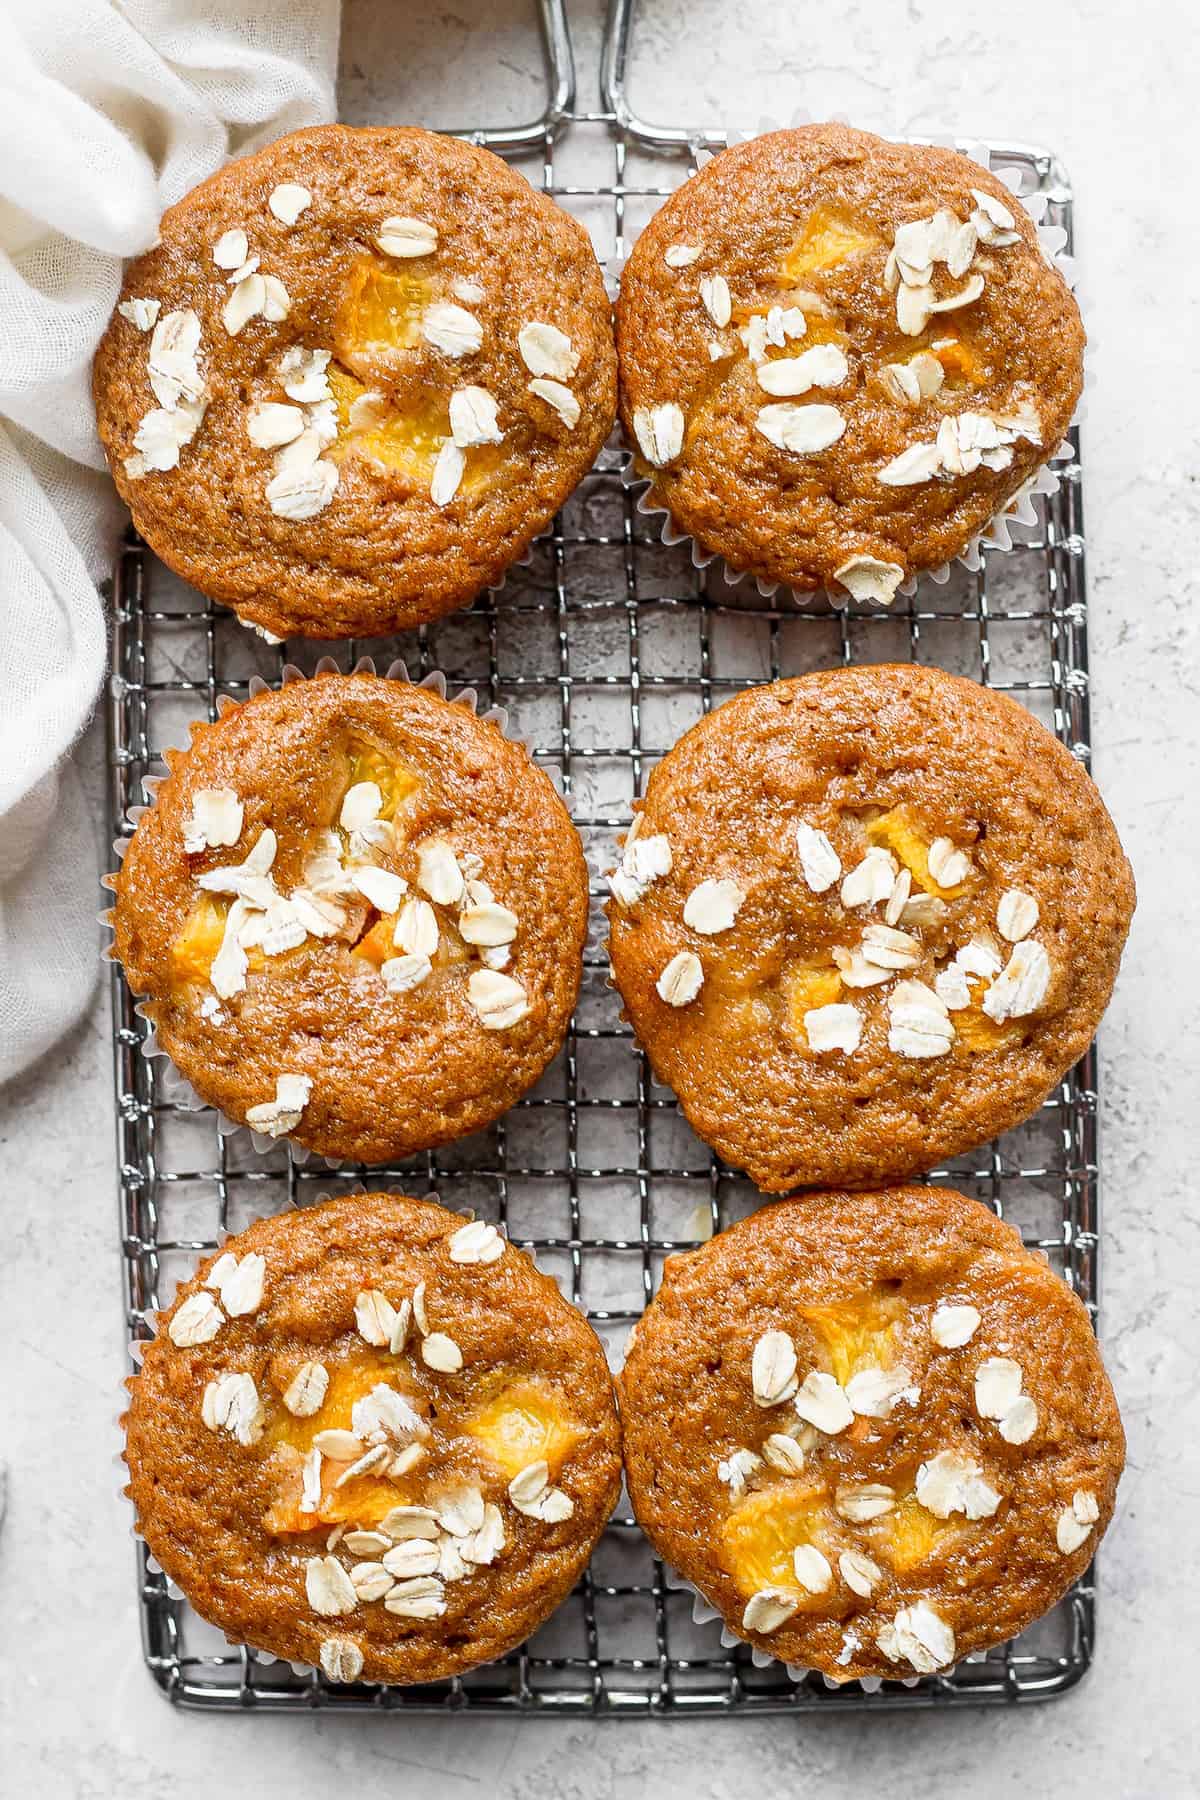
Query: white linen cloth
(108, 114)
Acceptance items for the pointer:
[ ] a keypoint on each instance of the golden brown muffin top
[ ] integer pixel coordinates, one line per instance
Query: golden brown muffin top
(357, 911)
(370, 1434)
(872, 1429)
(355, 376)
(840, 357)
(865, 920)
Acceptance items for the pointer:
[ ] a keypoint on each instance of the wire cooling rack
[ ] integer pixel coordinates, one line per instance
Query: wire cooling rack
(604, 647)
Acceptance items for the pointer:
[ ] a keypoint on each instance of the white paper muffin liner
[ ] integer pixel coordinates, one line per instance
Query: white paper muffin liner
(176, 1089)
(704, 1613)
(1017, 515)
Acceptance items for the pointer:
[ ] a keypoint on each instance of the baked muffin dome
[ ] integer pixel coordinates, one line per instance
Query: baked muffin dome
(872, 1429)
(865, 920)
(360, 370)
(371, 1435)
(840, 357)
(357, 913)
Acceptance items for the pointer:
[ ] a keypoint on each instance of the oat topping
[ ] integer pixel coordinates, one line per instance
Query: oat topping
(499, 1000)
(918, 1021)
(476, 1242)
(532, 1494)
(231, 1404)
(887, 948)
(812, 1569)
(439, 873)
(545, 350)
(773, 1369)
(712, 907)
(645, 859)
(871, 880)
(1075, 1522)
(447, 475)
(288, 201)
(819, 861)
(681, 980)
(465, 289)
(874, 1393)
(329, 1588)
(441, 1353)
(802, 430)
(1022, 984)
(231, 249)
(341, 1660)
(952, 1325)
(920, 378)
(859, 1573)
(772, 330)
(767, 1610)
(950, 1482)
(868, 578)
(736, 1471)
(451, 329)
(559, 397)
(918, 1636)
(274, 1118)
(304, 482)
(833, 1027)
(784, 1453)
(215, 821)
(859, 1505)
(473, 418)
(421, 1598)
(274, 424)
(488, 924)
(964, 442)
(140, 312)
(405, 237)
(998, 1396)
(659, 432)
(179, 387)
(947, 866)
(820, 1401)
(680, 256)
(197, 1322)
(714, 296)
(822, 366)
(239, 1282)
(306, 1391)
(416, 930)
(1017, 914)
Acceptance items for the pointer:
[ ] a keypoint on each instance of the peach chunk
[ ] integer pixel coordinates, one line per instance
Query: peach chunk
(522, 1424)
(828, 238)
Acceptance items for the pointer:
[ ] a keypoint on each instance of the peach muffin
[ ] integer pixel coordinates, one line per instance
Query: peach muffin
(872, 1429)
(356, 375)
(841, 357)
(371, 1435)
(865, 920)
(357, 913)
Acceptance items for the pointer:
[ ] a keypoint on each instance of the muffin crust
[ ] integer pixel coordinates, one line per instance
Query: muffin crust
(865, 920)
(967, 1449)
(393, 478)
(244, 1432)
(762, 318)
(357, 913)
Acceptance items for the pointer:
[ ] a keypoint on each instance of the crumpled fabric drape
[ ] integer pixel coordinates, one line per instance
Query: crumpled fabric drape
(108, 114)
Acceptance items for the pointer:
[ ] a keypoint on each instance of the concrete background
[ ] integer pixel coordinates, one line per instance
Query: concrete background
(1112, 88)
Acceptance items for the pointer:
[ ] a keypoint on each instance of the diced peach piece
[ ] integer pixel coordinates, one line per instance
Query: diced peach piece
(523, 1424)
(828, 238)
(898, 832)
(762, 1531)
(806, 986)
(857, 1333)
(196, 946)
(976, 1032)
(960, 360)
(380, 309)
(395, 781)
(363, 1500)
(910, 1534)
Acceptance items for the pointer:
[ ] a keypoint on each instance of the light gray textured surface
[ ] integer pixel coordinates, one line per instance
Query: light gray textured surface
(1112, 88)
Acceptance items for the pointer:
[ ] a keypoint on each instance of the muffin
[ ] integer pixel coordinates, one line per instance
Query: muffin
(357, 913)
(356, 375)
(370, 1435)
(841, 357)
(866, 920)
(872, 1429)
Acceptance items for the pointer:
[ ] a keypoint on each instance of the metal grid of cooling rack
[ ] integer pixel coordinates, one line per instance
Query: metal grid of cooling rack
(604, 647)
